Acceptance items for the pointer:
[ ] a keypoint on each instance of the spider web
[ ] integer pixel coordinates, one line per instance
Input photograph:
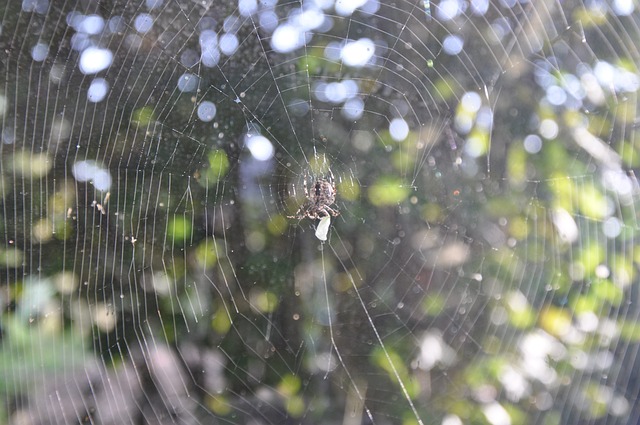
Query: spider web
(482, 268)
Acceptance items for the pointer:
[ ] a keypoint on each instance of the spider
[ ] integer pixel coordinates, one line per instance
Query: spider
(318, 202)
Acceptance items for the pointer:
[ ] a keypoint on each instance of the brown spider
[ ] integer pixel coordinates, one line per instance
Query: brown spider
(318, 202)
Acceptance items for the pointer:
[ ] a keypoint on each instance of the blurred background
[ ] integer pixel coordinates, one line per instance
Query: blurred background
(482, 268)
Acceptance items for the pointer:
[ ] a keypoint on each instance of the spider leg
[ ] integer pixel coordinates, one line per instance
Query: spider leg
(302, 210)
(331, 211)
(300, 214)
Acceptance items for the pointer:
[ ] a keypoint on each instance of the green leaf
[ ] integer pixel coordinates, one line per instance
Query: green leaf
(388, 191)
(218, 166)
